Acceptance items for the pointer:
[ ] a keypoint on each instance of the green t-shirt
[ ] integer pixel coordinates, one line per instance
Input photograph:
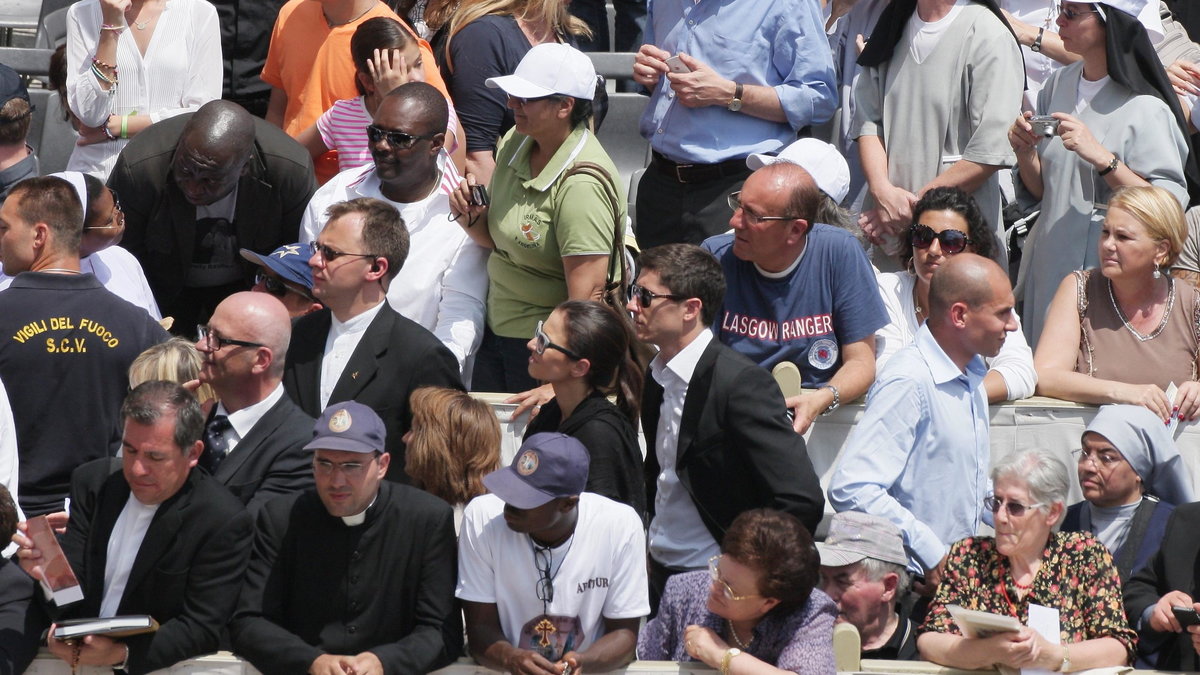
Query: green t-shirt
(536, 221)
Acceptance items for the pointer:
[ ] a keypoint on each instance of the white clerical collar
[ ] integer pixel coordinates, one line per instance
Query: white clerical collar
(359, 518)
(357, 323)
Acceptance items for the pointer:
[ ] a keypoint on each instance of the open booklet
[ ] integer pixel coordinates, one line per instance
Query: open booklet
(58, 579)
(113, 626)
(976, 624)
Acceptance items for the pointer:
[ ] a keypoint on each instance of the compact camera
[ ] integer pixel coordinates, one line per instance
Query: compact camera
(1044, 125)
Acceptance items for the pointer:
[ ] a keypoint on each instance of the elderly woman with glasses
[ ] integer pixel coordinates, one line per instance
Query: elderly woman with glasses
(1132, 477)
(946, 221)
(1025, 564)
(1109, 120)
(550, 229)
(583, 351)
(756, 609)
(1125, 333)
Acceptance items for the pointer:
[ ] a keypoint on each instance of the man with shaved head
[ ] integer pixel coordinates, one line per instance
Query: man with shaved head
(197, 187)
(919, 456)
(800, 295)
(254, 438)
(443, 284)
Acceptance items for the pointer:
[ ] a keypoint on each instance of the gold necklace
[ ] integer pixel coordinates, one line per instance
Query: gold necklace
(733, 633)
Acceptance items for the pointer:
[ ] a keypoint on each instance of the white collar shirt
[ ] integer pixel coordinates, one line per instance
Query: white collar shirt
(340, 343)
(123, 545)
(242, 421)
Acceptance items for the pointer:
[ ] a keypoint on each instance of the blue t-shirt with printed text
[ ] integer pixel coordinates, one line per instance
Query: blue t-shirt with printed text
(829, 300)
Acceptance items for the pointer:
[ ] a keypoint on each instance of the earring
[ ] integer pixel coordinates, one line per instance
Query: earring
(1156, 274)
(911, 266)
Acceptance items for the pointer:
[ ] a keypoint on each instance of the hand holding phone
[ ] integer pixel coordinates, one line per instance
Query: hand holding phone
(676, 65)
(1186, 616)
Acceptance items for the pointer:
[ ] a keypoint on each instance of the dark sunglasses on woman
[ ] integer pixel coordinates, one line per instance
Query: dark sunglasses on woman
(952, 241)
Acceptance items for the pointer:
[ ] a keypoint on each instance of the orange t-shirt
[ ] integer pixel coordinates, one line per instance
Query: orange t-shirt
(311, 63)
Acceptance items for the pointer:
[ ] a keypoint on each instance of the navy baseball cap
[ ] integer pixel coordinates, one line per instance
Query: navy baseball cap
(548, 466)
(289, 261)
(348, 426)
(11, 85)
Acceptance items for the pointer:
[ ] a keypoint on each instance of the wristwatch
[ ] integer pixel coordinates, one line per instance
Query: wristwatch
(837, 399)
(729, 654)
(1112, 166)
(1036, 47)
(736, 104)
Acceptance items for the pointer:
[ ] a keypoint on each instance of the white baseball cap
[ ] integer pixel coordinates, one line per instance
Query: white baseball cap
(550, 69)
(821, 160)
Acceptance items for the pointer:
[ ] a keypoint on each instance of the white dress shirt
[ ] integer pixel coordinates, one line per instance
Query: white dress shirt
(678, 537)
(123, 546)
(340, 344)
(242, 421)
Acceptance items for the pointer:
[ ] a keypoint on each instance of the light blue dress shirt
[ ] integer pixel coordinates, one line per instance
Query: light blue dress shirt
(775, 43)
(919, 456)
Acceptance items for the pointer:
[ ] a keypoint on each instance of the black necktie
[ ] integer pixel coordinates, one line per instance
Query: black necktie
(216, 445)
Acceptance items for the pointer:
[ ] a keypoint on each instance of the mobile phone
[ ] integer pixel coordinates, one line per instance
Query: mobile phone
(1186, 616)
(676, 65)
(479, 196)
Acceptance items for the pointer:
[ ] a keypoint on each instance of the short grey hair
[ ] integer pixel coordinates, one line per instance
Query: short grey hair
(876, 570)
(1042, 472)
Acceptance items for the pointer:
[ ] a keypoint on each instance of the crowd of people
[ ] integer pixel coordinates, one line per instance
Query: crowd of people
(242, 332)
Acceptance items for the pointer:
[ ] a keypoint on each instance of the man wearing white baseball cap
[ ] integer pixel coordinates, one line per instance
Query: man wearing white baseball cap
(828, 169)
(800, 294)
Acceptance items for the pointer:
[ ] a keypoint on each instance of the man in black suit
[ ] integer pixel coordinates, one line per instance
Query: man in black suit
(163, 540)
(197, 187)
(254, 438)
(718, 440)
(359, 348)
(21, 617)
(1168, 580)
(356, 576)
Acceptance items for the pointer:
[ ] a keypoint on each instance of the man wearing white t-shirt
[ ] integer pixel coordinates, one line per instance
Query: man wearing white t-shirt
(550, 578)
(443, 284)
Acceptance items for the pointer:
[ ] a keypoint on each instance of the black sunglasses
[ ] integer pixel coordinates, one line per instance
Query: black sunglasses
(646, 296)
(331, 254)
(216, 343)
(952, 241)
(397, 139)
(275, 286)
(541, 342)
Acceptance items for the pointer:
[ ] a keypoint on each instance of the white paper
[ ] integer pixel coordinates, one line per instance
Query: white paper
(1044, 621)
(1171, 391)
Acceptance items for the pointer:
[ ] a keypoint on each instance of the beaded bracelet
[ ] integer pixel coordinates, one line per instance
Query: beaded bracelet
(112, 82)
(98, 62)
(108, 134)
(113, 27)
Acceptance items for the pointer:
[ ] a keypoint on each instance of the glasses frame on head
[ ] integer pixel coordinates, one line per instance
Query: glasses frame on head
(951, 241)
(714, 572)
(542, 342)
(1070, 14)
(216, 343)
(645, 297)
(751, 218)
(1101, 459)
(1015, 509)
(399, 140)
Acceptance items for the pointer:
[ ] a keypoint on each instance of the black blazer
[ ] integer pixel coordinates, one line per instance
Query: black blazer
(187, 572)
(394, 357)
(1176, 567)
(737, 450)
(21, 618)
(271, 459)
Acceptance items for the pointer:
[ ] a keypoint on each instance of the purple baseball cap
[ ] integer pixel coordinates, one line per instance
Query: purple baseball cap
(348, 426)
(548, 466)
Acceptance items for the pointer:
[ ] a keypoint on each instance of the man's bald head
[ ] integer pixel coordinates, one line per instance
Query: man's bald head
(420, 104)
(257, 317)
(212, 152)
(970, 307)
(794, 181)
(965, 278)
(219, 127)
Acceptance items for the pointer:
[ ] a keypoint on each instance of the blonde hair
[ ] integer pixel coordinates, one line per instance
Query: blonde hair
(456, 16)
(175, 360)
(1158, 211)
(455, 442)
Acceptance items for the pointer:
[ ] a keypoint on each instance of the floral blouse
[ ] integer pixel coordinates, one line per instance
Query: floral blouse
(1077, 577)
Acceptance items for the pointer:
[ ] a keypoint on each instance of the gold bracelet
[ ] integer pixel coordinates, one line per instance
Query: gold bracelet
(729, 654)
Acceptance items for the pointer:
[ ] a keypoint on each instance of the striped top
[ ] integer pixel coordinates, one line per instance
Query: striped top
(344, 128)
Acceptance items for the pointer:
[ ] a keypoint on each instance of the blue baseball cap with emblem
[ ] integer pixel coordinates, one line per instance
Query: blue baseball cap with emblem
(289, 261)
(350, 427)
(548, 466)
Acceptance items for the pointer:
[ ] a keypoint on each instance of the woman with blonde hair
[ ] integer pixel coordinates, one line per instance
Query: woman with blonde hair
(1124, 333)
(176, 360)
(453, 443)
(480, 39)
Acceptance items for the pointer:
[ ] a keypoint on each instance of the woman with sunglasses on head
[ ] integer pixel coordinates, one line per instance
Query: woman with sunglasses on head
(1027, 563)
(1132, 477)
(550, 229)
(755, 610)
(946, 221)
(1124, 333)
(1109, 120)
(582, 351)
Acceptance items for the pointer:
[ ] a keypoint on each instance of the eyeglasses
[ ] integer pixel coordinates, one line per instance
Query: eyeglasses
(541, 342)
(118, 212)
(543, 560)
(397, 139)
(526, 101)
(952, 241)
(1104, 458)
(645, 296)
(331, 254)
(1071, 14)
(1015, 509)
(352, 470)
(714, 571)
(216, 343)
(752, 218)
(276, 287)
